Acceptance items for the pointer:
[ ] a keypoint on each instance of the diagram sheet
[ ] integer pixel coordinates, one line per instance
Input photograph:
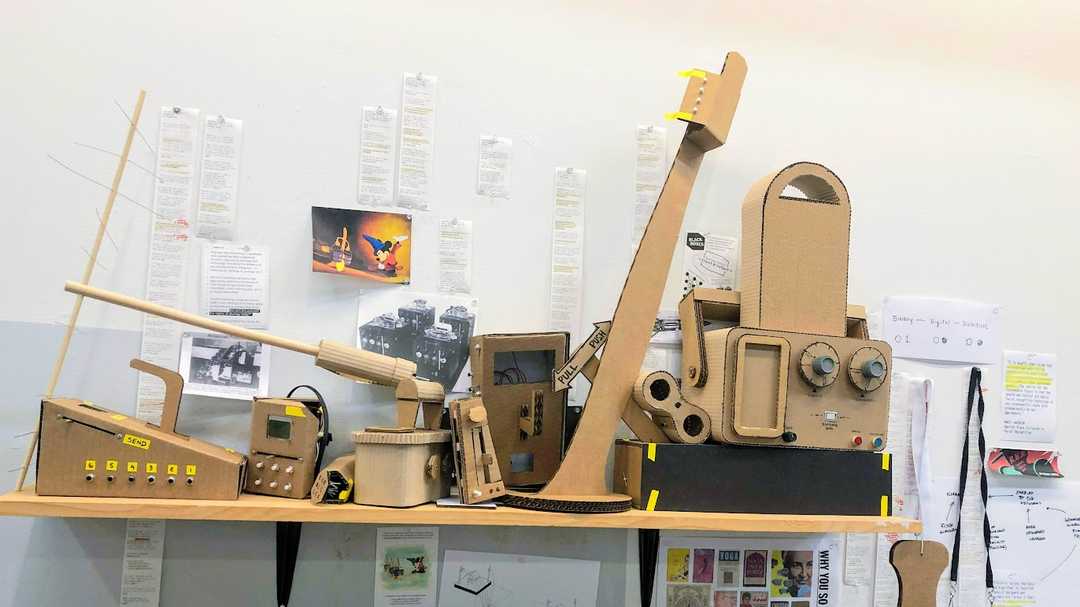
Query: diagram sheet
(483, 579)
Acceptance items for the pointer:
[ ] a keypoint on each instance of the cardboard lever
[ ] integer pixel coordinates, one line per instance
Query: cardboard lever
(174, 389)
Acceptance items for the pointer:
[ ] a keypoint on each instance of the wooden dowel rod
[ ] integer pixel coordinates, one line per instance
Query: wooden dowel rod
(88, 272)
(190, 319)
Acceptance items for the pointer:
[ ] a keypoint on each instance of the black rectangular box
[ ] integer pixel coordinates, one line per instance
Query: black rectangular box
(765, 480)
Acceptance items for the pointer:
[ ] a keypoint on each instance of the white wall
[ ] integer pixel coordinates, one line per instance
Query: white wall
(952, 125)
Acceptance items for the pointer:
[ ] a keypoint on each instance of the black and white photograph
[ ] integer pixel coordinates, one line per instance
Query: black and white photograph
(430, 329)
(224, 367)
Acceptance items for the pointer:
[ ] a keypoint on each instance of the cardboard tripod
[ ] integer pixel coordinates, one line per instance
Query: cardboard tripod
(580, 484)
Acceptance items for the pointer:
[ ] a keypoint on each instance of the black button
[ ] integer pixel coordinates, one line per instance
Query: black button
(789, 437)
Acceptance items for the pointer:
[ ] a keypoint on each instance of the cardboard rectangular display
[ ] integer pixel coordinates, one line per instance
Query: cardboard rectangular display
(87, 451)
(284, 445)
(725, 478)
(512, 373)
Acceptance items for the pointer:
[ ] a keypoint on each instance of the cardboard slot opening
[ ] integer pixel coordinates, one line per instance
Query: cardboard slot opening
(812, 188)
(523, 367)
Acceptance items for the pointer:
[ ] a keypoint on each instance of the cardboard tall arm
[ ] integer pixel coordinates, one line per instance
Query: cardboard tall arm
(708, 108)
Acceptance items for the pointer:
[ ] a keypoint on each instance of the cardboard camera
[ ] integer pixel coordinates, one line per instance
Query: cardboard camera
(789, 364)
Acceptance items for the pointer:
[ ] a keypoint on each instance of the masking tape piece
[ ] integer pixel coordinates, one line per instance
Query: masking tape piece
(884, 505)
(136, 441)
(678, 116)
(151, 468)
(652, 452)
(112, 465)
(172, 469)
(692, 74)
(133, 466)
(654, 495)
(885, 461)
(118, 417)
(294, 411)
(190, 469)
(90, 465)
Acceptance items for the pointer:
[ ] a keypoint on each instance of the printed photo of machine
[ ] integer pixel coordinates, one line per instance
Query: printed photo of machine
(437, 342)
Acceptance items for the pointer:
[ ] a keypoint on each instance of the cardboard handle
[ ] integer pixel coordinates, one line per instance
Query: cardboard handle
(741, 406)
(817, 188)
(174, 388)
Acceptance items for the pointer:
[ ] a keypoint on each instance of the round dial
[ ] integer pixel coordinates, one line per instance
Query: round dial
(819, 365)
(868, 369)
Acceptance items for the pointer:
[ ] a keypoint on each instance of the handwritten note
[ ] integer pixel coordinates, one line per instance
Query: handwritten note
(942, 329)
(1028, 410)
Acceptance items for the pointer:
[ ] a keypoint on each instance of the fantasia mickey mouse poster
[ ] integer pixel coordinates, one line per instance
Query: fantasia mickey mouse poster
(373, 245)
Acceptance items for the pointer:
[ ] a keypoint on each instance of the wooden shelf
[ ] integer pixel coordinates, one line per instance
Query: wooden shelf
(264, 508)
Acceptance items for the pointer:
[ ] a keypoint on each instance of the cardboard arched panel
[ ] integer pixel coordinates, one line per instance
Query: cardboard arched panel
(795, 252)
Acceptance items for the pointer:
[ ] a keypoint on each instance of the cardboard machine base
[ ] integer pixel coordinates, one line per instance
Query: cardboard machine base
(765, 480)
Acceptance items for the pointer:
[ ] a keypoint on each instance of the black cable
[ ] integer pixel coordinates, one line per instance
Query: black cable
(974, 395)
(288, 533)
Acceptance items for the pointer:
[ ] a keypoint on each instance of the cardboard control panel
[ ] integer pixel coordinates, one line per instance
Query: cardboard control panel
(284, 446)
(512, 374)
(797, 390)
(87, 451)
(475, 463)
(784, 363)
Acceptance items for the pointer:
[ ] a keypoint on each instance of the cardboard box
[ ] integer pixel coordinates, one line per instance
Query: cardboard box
(724, 478)
(401, 467)
(86, 451)
(513, 373)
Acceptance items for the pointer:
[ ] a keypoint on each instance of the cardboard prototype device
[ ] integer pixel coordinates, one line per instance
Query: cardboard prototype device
(86, 451)
(475, 463)
(401, 466)
(796, 371)
(512, 374)
(334, 483)
(288, 436)
(729, 478)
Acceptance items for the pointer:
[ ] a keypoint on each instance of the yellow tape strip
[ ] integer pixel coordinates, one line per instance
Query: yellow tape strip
(678, 116)
(654, 495)
(884, 505)
(651, 454)
(884, 461)
(692, 74)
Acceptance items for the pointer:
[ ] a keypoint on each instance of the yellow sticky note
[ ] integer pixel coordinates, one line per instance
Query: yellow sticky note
(91, 464)
(692, 74)
(118, 417)
(294, 411)
(678, 116)
(151, 468)
(112, 465)
(189, 469)
(133, 466)
(172, 469)
(136, 441)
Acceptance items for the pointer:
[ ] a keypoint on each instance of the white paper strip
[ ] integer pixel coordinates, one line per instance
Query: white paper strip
(650, 171)
(140, 581)
(220, 176)
(455, 256)
(378, 138)
(567, 243)
(417, 144)
(170, 234)
(493, 166)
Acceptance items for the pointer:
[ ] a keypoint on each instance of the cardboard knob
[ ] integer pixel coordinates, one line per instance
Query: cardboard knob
(432, 468)
(823, 365)
(477, 415)
(873, 369)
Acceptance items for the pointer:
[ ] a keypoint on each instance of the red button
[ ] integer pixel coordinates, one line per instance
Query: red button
(857, 440)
